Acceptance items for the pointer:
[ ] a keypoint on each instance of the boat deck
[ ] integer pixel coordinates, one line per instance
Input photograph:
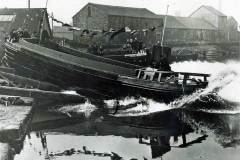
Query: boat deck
(77, 61)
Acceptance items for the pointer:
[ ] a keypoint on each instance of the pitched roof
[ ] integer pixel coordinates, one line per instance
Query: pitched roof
(172, 22)
(24, 17)
(124, 11)
(214, 10)
(195, 23)
(187, 23)
(211, 9)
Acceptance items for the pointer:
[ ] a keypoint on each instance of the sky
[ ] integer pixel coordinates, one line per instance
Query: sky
(65, 9)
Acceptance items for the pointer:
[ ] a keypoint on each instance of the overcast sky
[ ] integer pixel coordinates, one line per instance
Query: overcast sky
(65, 9)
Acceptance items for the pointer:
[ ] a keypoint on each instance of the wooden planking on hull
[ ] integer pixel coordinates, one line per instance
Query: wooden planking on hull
(71, 71)
(23, 81)
(80, 62)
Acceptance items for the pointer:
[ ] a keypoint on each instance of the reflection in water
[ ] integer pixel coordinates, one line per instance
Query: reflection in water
(43, 138)
(113, 138)
(112, 155)
(192, 127)
(226, 128)
(157, 136)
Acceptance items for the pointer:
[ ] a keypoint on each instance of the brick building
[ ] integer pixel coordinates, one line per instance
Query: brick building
(205, 25)
(104, 17)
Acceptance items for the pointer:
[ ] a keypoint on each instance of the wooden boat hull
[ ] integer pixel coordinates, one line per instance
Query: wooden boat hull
(96, 77)
(38, 68)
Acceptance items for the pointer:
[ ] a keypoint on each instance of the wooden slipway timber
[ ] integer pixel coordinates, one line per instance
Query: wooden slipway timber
(40, 94)
(23, 82)
(7, 70)
(93, 72)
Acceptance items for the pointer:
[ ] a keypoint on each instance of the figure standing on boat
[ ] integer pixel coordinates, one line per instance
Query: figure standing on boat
(159, 57)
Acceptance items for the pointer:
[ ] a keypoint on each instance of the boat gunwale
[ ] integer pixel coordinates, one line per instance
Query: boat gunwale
(80, 69)
(23, 48)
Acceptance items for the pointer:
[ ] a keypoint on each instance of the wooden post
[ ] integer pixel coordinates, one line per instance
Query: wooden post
(205, 79)
(186, 76)
(159, 77)
(139, 73)
(184, 139)
(52, 24)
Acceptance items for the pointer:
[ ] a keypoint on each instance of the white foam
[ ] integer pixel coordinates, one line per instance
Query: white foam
(225, 77)
(87, 108)
(224, 82)
(70, 92)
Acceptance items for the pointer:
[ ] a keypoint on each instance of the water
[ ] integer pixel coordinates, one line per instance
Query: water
(203, 125)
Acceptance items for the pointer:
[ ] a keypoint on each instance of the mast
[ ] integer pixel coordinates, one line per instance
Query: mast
(46, 4)
(29, 4)
(45, 15)
(52, 21)
(164, 27)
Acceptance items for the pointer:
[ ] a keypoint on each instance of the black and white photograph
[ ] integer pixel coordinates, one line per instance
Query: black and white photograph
(119, 79)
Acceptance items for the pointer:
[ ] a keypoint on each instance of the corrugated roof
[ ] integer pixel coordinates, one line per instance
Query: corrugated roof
(7, 18)
(124, 11)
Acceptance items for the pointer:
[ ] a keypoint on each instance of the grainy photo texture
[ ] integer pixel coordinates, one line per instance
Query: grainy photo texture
(119, 80)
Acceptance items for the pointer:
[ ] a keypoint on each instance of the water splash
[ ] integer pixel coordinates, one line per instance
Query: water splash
(86, 108)
(225, 79)
(70, 92)
(221, 95)
(136, 106)
(123, 102)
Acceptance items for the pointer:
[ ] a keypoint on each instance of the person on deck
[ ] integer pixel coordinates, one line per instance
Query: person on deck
(135, 45)
(128, 46)
(164, 64)
(160, 58)
(14, 37)
(156, 55)
(26, 34)
(20, 32)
